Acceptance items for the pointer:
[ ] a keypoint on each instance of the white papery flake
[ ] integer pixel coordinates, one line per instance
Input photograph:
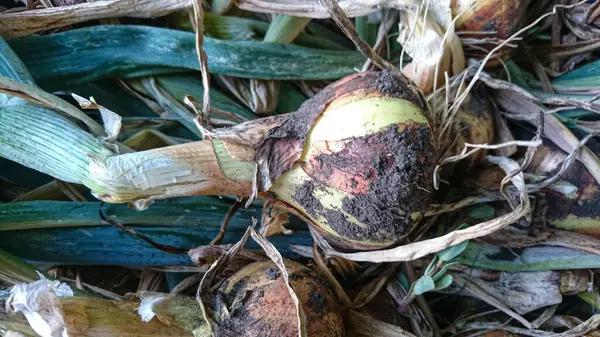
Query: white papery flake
(38, 301)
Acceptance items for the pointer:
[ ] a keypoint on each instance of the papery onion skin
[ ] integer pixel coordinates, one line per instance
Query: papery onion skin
(357, 162)
(259, 303)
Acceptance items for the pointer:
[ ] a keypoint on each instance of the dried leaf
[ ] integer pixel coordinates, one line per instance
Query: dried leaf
(432, 43)
(112, 121)
(182, 311)
(316, 10)
(38, 301)
(273, 220)
(591, 324)
(361, 325)
(466, 286)
(522, 105)
(523, 292)
(29, 22)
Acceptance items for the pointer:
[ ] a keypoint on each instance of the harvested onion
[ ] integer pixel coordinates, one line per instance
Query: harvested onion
(488, 20)
(255, 302)
(356, 160)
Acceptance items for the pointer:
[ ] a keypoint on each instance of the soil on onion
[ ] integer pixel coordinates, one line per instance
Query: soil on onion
(283, 145)
(259, 304)
(397, 166)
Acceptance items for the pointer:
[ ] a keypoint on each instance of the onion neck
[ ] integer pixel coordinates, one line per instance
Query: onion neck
(209, 167)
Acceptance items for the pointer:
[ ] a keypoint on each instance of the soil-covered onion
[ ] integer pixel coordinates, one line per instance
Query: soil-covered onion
(489, 19)
(356, 160)
(256, 302)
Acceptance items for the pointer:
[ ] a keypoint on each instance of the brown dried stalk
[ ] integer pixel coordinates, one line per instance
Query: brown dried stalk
(313, 8)
(28, 22)
(197, 15)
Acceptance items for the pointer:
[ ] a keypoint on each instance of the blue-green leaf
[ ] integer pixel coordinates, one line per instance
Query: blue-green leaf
(451, 252)
(423, 285)
(481, 212)
(538, 258)
(444, 282)
(106, 51)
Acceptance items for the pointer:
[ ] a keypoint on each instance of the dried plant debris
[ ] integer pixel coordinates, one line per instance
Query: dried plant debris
(417, 168)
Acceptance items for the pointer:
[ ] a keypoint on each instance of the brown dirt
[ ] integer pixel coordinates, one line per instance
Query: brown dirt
(305, 195)
(259, 304)
(389, 173)
(389, 85)
(402, 185)
(283, 145)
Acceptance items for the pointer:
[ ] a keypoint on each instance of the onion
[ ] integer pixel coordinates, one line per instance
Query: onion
(473, 124)
(497, 19)
(255, 302)
(356, 160)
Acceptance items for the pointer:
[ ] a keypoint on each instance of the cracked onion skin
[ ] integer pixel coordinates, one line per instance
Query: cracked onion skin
(255, 302)
(355, 161)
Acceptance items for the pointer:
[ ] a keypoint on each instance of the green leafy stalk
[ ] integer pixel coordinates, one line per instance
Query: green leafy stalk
(265, 94)
(529, 259)
(32, 230)
(284, 28)
(46, 141)
(105, 51)
(11, 66)
(244, 29)
(14, 270)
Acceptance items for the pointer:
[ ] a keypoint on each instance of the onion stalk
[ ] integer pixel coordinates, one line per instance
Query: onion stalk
(355, 160)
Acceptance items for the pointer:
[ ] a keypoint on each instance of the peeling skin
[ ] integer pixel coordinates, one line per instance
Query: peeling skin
(179, 170)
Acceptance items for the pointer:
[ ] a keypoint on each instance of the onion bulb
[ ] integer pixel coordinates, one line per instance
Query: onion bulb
(356, 160)
(473, 124)
(255, 302)
(492, 20)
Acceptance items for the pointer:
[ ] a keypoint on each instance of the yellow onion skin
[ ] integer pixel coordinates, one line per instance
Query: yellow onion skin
(361, 163)
(259, 304)
(500, 18)
(473, 124)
